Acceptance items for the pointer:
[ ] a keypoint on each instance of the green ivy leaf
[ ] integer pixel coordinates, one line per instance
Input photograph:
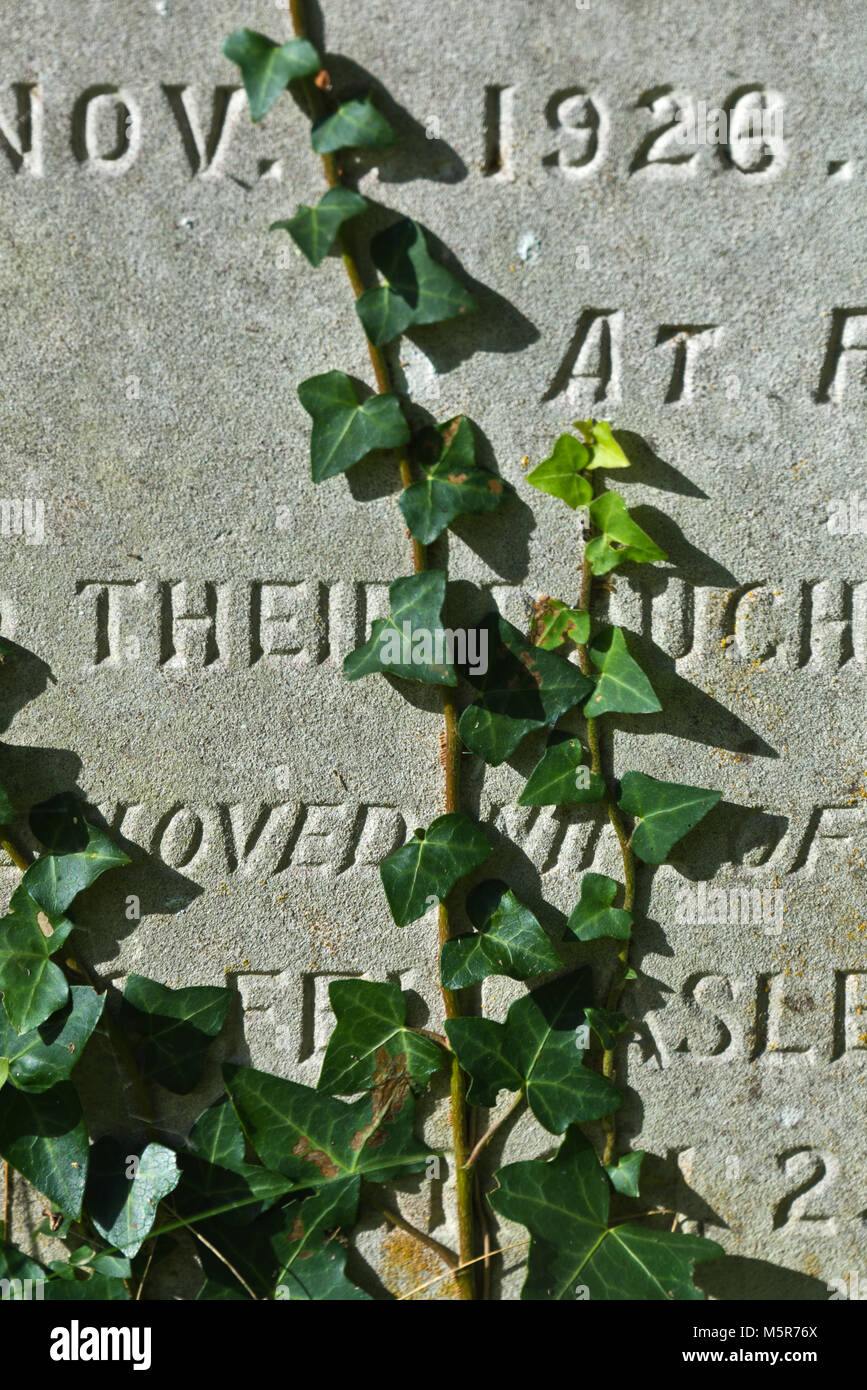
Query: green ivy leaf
(561, 777)
(537, 1047)
(424, 870)
(554, 623)
(98, 1287)
(311, 1261)
(344, 428)
(17, 1267)
(607, 1025)
(125, 1188)
(177, 1026)
(594, 916)
(453, 486)
(625, 1174)
(621, 686)
(609, 514)
(411, 643)
(59, 823)
(564, 1204)
(561, 475)
(354, 125)
(606, 452)
(508, 941)
(417, 288)
(38, 1059)
(315, 230)
(267, 68)
(664, 812)
(313, 1138)
(44, 1136)
(371, 1042)
(55, 879)
(31, 984)
(524, 688)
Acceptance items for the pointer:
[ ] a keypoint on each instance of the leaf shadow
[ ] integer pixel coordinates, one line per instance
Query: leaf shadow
(739, 1279)
(652, 470)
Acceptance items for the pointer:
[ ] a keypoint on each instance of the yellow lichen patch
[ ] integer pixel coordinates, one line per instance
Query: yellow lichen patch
(407, 1264)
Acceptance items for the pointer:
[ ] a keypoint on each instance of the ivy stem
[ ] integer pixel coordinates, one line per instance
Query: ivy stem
(7, 1199)
(318, 105)
(609, 1122)
(489, 1133)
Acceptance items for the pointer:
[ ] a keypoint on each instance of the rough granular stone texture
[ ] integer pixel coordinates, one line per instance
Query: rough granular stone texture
(187, 612)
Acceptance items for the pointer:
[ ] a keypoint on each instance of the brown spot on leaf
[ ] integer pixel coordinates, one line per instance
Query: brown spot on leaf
(457, 478)
(323, 80)
(494, 485)
(451, 429)
(44, 925)
(321, 1160)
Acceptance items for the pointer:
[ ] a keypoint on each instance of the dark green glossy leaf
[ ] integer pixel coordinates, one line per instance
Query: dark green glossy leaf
(55, 879)
(124, 1189)
(561, 777)
(621, 686)
(452, 486)
(663, 811)
(417, 288)
(313, 1138)
(354, 125)
(540, 1047)
(609, 514)
(314, 230)
(594, 916)
(24, 1275)
(524, 688)
(344, 428)
(31, 984)
(59, 824)
(605, 451)
(564, 1204)
(508, 941)
(607, 1025)
(44, 1136)
(625, 1174)
(38, 1059)
(177, 1026)
(554, 623)
(267, 68)
(371, 1042)
(412, 642)
(424, 870)
(99, 1287)
(311, 1257)
(561, 475)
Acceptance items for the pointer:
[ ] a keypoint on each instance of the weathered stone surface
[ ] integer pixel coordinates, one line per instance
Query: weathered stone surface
(194, 594)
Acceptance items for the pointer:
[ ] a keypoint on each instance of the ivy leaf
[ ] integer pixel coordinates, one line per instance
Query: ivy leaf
(508, 941)
(314, 230)
(311, 1260)
(16, 1267)
(354, 125)
(607, 1025)
(267, 68)
(664, 812)
(412, 642)
(55, 879)
(313, 1138)
(344, 428)
(417, 288)
(32, 985)
(625, 1174)
(606, 452)
(561, 475)
(594, 916)
(123, 1207)
(176, 1026)
(539, 1047)
(38, 1059)
(561, 776)
(554, 623)
(564, 1204)
(426, 869)
(609, 514)
(59, 823)
(621, 686)
(371, 1041)
(98, 1287)
(44, 1136)
(524, 688)
(452, 486)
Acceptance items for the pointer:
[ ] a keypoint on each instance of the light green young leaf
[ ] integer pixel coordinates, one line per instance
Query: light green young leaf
(38, 1059)
(424, 870)
(606, 452)
(594, 916)
(417, 288)
(177, 1026)
(412, 642)
(607, 1025)
(452, 487)
(539, 1047)
(267, 68)
(31, 984)
(561, 777)
(126, 1187)
(354, 125)
(371, 1043)
(625, 1174)
(561, 475)
(621, 686)
(344, 428)
(508, 941)
(609, 514)
(314, 230)
(554, 623)
(44, 1136)
(663, 811)
(564, 1204)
